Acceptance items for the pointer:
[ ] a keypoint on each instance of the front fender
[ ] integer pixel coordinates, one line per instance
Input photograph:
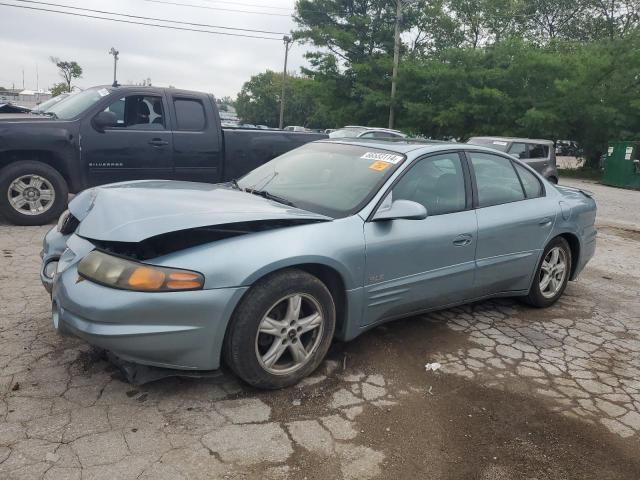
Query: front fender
(240, 261)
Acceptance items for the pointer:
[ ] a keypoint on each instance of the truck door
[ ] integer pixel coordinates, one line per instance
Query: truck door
(137, 147)
(197, 150)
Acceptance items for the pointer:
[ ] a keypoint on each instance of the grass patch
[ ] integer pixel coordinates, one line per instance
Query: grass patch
(585, 173)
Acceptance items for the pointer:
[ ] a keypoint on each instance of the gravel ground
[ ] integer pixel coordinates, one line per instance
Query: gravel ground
(521, 393)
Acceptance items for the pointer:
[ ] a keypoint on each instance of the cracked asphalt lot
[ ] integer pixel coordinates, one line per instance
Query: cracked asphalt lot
(521, 394)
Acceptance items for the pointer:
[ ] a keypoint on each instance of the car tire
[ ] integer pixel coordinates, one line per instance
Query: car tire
(553, 180)
(264, 340)
(551, 276)
(37, 184)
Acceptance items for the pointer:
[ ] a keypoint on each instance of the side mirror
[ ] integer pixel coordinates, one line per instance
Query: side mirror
(401, 209)
(105, 120)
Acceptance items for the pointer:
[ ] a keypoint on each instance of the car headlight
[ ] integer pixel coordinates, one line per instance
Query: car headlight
(117, 272)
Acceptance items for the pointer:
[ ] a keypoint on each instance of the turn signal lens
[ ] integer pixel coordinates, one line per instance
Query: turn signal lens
(117, 272)
(183, 281)
(145, 278)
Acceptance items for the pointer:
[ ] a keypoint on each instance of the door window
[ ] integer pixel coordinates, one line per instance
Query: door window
(532, 186)
(190, 114)
(518, 150)
(496, 179)
(436, 182)
(538, 151)
(138, 112)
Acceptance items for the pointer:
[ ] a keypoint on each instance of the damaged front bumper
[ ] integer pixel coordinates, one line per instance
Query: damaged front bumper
(178, 330)
(53, 246)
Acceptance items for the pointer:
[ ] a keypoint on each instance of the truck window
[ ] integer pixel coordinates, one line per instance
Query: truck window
(189, 114)
(138, 111)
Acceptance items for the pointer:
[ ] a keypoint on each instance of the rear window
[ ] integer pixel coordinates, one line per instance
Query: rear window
(189, 114)
(538, 150)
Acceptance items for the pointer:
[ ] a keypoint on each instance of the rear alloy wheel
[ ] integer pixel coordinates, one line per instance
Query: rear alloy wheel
(32, 193)
(281, 330)
(552, 274)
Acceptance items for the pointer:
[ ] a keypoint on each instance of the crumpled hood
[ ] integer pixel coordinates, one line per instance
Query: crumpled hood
(135, 211)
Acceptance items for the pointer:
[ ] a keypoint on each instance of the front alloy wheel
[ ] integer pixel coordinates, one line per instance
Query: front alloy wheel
(281, 330)
(31, 194)
(289, 334)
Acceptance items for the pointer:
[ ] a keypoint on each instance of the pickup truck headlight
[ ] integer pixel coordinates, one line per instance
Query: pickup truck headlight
(67, 223)
(117, 272)
(62, 220)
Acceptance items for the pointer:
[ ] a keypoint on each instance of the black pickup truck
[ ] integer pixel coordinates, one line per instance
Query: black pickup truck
(113, 134)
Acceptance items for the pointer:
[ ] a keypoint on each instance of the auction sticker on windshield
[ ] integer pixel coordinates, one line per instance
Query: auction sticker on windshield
(383, 157)
(379, 165)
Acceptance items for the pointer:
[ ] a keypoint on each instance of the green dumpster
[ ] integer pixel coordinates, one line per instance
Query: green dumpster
(622, 167)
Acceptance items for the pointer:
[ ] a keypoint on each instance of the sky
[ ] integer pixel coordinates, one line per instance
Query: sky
(197, 61)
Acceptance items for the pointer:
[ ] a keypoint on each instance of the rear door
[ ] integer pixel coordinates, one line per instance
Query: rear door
(515, 219)
(197, 151)
(138, 147)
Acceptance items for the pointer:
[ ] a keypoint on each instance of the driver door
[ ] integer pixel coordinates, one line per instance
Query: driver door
(413, 265)
(139, 146)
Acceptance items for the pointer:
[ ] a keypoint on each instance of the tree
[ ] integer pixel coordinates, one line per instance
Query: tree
(68, 70)
(259, 101)
(58, 88)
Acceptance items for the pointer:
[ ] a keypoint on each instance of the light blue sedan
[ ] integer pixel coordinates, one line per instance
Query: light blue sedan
(324, 242)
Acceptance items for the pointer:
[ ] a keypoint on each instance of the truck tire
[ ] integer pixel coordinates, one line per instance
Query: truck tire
(281, 330)
(32, 193)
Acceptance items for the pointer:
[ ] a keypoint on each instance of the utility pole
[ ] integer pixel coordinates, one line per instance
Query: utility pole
(396, 61)
(287, 41)
(396, 58)
(115, 54)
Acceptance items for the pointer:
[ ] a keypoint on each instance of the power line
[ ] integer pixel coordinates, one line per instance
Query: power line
(247, 5)
(138, 23)
(148, 18)
(191, 5)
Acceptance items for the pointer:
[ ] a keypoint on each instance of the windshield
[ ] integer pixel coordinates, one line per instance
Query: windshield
(346, 133)
(44, 106)
(328, 178)
(490, 142)
(78, 103)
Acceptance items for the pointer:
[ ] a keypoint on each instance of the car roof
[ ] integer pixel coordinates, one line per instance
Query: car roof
(406, 145)
(515, 139)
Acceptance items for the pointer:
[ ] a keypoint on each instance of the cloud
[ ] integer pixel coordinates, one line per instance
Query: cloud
(198, 61)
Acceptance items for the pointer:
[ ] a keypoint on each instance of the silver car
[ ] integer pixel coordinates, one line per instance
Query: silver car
(326, 241)
(355, 131)
(538, 154)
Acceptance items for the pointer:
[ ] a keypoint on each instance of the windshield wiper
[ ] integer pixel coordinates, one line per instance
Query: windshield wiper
(234, 184)
(271, 196)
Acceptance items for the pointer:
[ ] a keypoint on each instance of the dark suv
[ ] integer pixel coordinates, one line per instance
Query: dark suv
(538, 154)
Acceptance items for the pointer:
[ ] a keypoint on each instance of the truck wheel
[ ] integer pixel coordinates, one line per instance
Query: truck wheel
(281, 330)
(32, 193)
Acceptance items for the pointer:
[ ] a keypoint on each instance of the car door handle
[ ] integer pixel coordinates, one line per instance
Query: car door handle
(158, 142)
(545, 221)
(462, 240)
